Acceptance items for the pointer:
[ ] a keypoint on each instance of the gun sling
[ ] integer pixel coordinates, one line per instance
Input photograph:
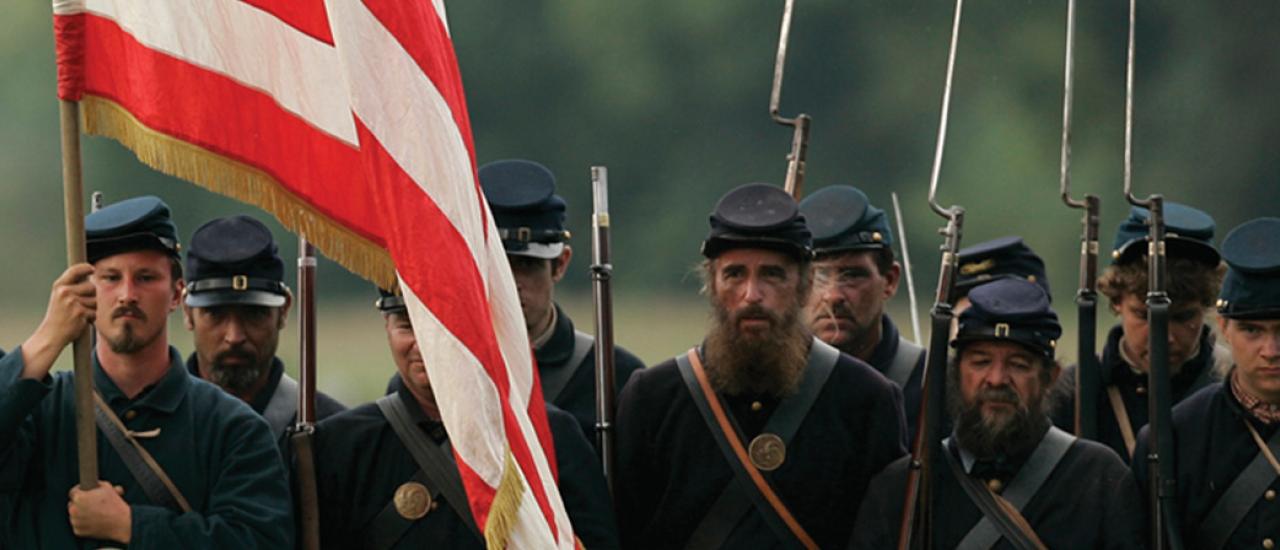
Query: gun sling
(1024, 485)
(555, 380)
(1242, 494)
(148, 473)
(434, 461)
(283, 406)
(904, 362)
(749, 485)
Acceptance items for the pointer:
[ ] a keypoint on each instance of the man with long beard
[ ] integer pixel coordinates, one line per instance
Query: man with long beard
(236, 305)
(763, 436)
(1225, 435)
(1006, 473)
(181, 463)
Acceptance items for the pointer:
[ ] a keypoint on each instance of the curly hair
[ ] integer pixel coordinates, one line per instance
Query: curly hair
(1189, 281)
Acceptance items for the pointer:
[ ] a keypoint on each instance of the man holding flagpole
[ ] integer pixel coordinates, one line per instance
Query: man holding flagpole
(181, 463)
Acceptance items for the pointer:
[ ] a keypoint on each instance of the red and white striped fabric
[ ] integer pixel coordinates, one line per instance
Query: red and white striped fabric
(345, 119)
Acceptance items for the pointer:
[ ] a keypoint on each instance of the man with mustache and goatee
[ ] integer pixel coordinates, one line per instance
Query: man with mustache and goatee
(236, 304)
(763, 436)
(1006, 473)
(1227, 435)
(854, 276)
(182, 464)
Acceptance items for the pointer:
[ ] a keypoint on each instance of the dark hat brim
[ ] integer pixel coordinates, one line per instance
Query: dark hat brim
(212, 298)
(97, 249)
(1175, 247)
(959, 342)
(713, 247)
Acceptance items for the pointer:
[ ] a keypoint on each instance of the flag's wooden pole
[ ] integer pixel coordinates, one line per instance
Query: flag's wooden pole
(73, 207)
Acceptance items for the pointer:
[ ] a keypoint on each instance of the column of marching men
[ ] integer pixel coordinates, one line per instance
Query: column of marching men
(785, 425)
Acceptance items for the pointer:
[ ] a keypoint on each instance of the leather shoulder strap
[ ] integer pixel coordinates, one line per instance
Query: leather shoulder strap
(904, 362)
(1028, 481)
(1122, 420)
(1238, 499)
(283, 406)
(1006, 519)
(436, 462)
(554, 382)
(148, 473)
(747, 479)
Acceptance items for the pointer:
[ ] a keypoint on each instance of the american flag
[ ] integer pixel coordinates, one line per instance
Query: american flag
(345, 119)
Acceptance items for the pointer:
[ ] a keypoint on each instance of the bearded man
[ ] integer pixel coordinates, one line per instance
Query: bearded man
(1006, 473)
(763, 436)
(236, 304)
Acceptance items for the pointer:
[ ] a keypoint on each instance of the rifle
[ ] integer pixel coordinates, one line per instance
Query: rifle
(1165, 525)
(918, 506)
(602, 295)
(73, 213)
(800, 123)
(1088, 385)
(304, 429)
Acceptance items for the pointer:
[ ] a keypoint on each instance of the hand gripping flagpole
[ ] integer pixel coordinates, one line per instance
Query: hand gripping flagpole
(918, 507)
(800, 124)
(304, 429)
(73, 208)
(1088, 385)
(602, 295)
(1165, 527)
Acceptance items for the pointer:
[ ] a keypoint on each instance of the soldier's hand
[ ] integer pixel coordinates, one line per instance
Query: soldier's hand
(72, 307)
(100, 513)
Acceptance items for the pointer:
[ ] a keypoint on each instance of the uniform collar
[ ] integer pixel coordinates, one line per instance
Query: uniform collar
(559, 346)
(1116, 370)
(164, 396)
(432, 428)
(884, 352)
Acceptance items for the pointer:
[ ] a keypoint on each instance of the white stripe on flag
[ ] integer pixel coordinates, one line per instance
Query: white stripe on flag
(247, 45)
(415, 125)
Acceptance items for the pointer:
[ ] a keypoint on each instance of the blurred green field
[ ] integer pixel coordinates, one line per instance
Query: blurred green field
(354, 363)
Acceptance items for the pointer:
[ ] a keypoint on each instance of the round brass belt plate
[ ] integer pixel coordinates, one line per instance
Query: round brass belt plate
(412, 500)
(767, 452)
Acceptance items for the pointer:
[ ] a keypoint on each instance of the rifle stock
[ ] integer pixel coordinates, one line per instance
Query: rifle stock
(602, 295)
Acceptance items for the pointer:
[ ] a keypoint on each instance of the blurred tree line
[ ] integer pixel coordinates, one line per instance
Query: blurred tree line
(672, 96)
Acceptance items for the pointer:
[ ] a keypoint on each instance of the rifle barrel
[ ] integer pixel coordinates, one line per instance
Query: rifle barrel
(602, 295)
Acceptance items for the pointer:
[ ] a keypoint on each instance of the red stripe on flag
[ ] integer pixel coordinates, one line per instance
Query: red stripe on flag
(308, 16)
(436, 262)
(209, 109)
(68, 31)
(433, 51)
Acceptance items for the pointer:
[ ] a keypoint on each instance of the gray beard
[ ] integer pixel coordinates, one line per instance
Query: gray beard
(238, 379)
(1015, 435)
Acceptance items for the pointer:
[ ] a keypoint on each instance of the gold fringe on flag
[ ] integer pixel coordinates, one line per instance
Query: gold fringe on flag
(506, 504)
(239, 181)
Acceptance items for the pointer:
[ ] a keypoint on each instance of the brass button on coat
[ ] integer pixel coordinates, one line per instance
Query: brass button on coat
(1269, 495)
(130, 414)
(1268, 544)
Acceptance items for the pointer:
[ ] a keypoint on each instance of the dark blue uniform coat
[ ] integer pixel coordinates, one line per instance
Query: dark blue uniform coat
(1194, 374)
(670, 469)
(360, 462)
(215, 449)
(579, 395)
(1089, 501)
(882, 358)
(1211, 447)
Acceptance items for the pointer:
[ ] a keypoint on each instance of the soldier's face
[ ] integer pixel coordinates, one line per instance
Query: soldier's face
(848, 297)
(1003, 379)
(235, 343)
(756, 288)
(135, 293)
(536, 279)
(405, 353)
(1185, 323)
(1255, 348)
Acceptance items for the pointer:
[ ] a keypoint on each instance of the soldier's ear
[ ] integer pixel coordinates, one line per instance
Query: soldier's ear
(186, 317)
(560, 264)
(284, 309)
